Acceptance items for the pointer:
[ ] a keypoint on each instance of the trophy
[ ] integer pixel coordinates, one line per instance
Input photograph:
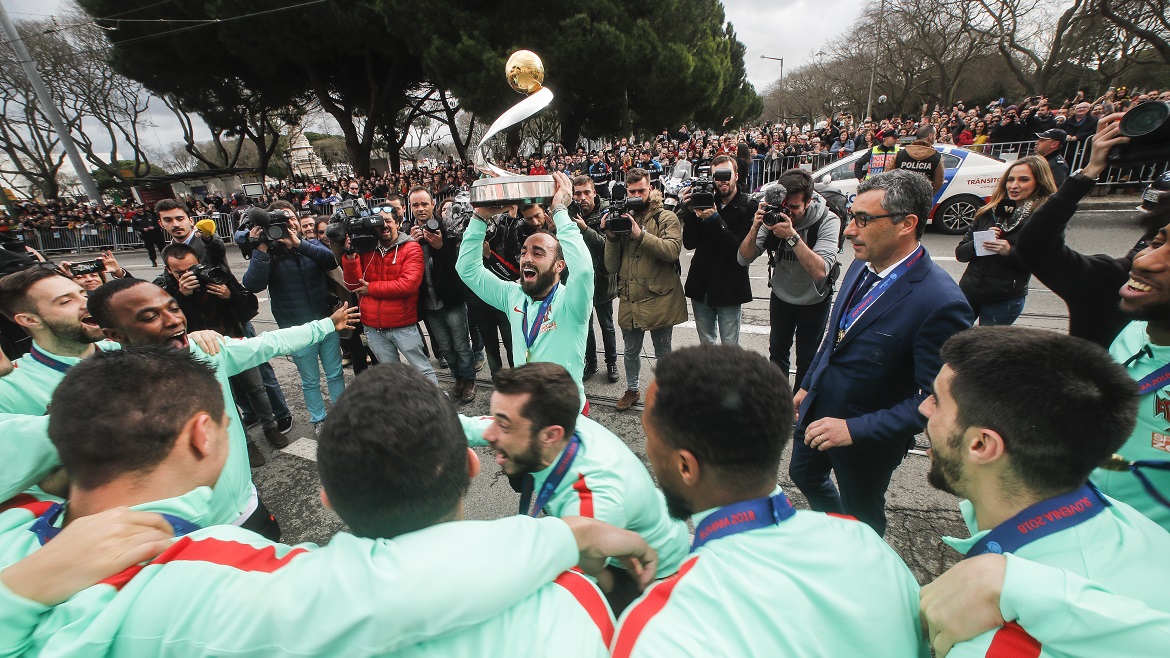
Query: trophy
(525, 73)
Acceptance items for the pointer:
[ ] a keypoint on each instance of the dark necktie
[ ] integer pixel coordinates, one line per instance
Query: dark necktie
(863, 286)
(527, 484)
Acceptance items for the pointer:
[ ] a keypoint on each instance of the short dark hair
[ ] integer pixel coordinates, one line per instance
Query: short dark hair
(907, 193)
(637, 174)
(730, 407)
(926, 132)
(582, 180)
(177, 250)
(553, 395)
(725, 158)
(391, 198)
(421, 188)
(171, 204)
(101, 297)
(798, 183)
(1061, 404)
(102, 425)
(14, 289)
(282, 205)
(392, 456)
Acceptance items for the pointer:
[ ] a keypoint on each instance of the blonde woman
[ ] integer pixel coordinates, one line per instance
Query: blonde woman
(996, 282)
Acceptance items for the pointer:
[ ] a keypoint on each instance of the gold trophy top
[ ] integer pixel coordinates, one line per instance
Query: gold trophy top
(525, 71)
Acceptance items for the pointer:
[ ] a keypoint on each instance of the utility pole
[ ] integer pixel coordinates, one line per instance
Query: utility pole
(781, 60)
(873, 72)
(49, 108)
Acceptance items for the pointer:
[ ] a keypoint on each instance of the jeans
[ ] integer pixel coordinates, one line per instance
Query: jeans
(310, 360)
(807, 323)
(633, 339)
(387, 343)
(603, 311)
(248, 385)
(727, 318)
(493, 330)
(271, 387)
(449, 334)
(992, 314)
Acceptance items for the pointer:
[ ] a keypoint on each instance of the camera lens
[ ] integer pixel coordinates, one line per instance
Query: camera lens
(1146, 120)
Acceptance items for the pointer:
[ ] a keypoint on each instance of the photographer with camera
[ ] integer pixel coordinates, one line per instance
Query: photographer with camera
(643, 241)
(294, 272)
(175, 219)
(716, 217)
(800, 233)
(442, 293)
(588, 211)
(211, 298)
(387, 280)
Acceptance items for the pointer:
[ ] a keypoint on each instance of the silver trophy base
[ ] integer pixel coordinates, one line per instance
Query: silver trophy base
(512, 190)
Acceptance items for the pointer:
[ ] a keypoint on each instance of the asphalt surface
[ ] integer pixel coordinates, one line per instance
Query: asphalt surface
(918, 514)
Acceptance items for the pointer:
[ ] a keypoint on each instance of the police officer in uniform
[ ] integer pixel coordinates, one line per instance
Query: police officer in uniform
(879, 158)
(1048, 146)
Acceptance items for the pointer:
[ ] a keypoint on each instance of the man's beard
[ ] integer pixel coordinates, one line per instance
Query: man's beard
(676, 507)
(525, 462)
(1152, 312)
(943, 474)
(543, 281)
(73, 332)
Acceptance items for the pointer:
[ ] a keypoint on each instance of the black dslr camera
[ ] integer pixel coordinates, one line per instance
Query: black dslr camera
(209, 275)
(1147, 126)
(273, 225)
(703, 188)
(620, 203)
(354, 220)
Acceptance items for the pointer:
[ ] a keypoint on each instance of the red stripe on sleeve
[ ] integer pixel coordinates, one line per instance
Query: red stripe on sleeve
(28, 502)
(841, 516)
(584, 496)
(651, 604)
(214, 551)
(590, 598)
(1012, 641)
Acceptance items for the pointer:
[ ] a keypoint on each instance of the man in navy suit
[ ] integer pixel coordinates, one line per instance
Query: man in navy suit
(857, 408)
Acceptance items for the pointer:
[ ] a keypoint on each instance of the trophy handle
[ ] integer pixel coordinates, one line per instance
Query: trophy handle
(515, 114)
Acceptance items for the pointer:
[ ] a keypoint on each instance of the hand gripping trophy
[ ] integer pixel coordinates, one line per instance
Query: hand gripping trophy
(525, 73)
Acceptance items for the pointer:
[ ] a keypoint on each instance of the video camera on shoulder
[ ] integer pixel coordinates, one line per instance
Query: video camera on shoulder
(273, 225)
(620, 203)
(363, 225)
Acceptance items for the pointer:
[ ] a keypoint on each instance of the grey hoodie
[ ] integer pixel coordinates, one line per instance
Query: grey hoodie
(790, 282)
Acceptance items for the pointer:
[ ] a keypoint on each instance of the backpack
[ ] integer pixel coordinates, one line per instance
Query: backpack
(837, 205)
(772, 243)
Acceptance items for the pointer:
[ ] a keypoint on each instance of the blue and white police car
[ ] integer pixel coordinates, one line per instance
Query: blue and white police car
(969, 179)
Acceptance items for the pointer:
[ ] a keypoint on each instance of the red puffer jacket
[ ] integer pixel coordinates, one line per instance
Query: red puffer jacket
(394, 281)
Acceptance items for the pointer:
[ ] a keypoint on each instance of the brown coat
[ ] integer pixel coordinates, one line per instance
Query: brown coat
(650, 291)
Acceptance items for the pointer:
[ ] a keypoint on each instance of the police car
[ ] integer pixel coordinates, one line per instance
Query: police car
(969, 179)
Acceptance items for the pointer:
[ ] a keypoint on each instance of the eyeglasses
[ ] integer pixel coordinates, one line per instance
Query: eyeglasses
(862, 219)
(389, 209)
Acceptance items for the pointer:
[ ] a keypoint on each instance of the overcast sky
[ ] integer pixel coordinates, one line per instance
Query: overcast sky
(791, 29)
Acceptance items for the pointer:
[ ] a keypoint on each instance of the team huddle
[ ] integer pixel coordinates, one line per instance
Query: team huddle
(132, 527)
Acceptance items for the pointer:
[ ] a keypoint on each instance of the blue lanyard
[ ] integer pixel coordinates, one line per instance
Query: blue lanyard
(46, 360)
(743, 516)
(1155, 380)
(1042, 519)
(557, 476)
(850, 316)
(44, 529)
(533, 332)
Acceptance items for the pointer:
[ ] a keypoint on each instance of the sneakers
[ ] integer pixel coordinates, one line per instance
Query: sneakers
(275, 438)
(627, 400)
(480, 361)
(317, 427)
(590, 370)
(466, 390)
(443, 363)
(284, 424)
(255, 457)
(611, 371)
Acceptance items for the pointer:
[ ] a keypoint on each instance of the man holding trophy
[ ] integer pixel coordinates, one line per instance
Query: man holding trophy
(548, 308)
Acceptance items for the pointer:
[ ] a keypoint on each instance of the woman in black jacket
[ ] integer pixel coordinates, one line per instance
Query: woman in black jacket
(996, 282)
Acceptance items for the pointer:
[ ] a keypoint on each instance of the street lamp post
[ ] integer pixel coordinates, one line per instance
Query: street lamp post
(873, 70)
(781, 89)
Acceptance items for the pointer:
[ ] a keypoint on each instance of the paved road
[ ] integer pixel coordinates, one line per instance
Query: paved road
(919, 515)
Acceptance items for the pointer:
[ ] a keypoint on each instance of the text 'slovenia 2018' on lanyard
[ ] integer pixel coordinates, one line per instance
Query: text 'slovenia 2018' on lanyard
(554, 479)
(851, 314)
(44, 529)
(533, 332)
(743, 516)
(1045, 518)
